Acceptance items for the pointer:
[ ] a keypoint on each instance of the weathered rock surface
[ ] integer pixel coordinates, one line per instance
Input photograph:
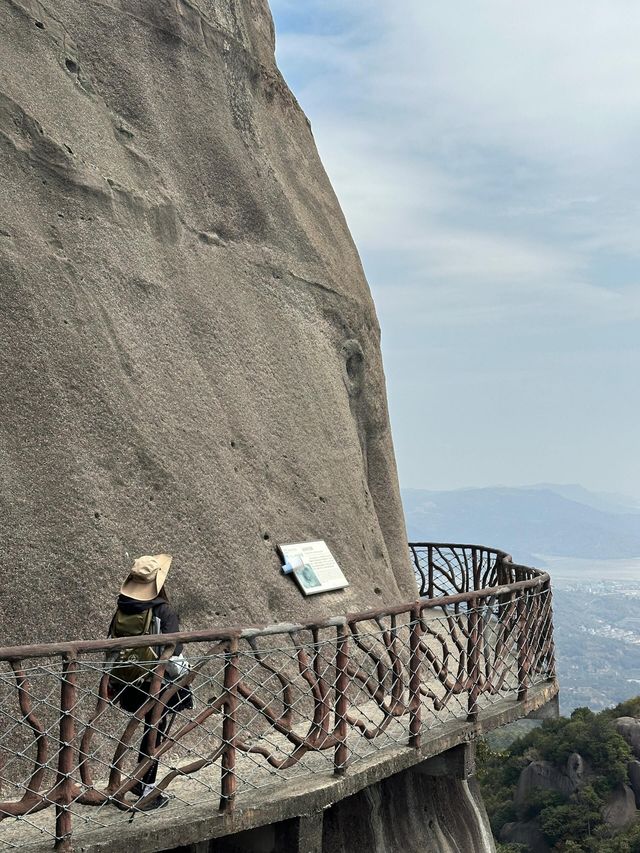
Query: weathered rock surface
(542, 774)
(620, 809)
(629, 728)
(633, 768)
(578, 770)
(190, 353)
(527, 833)
(412, 813)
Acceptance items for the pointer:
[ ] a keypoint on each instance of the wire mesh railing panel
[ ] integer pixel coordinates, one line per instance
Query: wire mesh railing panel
(110, 759)
(538, 645)
(121, 726)
(444, 682)
(285, 719)
(378, 688)
(81, 749)
(29, 744)
(452, 569)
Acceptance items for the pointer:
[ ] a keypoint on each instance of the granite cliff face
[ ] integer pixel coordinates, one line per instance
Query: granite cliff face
(190, 353)
(412, 813)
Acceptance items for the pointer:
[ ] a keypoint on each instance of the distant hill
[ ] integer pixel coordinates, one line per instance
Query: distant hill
(563, 521)
(607, 501)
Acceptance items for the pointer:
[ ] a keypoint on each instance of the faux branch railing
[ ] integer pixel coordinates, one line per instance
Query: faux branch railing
(282, 701)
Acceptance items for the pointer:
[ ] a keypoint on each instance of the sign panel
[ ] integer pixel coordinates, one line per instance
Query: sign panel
(313, 566)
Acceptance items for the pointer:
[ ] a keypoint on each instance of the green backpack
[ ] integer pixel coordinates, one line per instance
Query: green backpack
(132, 666)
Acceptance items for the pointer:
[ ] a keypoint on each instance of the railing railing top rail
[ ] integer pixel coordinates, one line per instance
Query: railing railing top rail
(262, 704)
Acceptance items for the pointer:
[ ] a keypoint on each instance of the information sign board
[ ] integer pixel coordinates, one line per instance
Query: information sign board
(313, 566)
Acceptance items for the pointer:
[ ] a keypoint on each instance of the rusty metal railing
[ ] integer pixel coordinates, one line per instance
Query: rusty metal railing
(269, 704)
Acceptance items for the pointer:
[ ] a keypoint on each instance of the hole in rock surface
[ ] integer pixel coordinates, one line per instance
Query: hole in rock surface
(72, 65)
(354, 364)
(353, 367)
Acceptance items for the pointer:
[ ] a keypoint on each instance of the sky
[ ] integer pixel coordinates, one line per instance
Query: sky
(486, 158)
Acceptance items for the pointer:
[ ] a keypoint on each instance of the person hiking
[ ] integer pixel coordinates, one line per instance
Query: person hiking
(143, 607)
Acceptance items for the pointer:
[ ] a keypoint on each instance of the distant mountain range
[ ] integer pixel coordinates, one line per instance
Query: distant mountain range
(528, 522)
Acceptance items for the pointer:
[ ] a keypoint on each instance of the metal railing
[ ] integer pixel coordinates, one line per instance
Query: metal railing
(268, 704)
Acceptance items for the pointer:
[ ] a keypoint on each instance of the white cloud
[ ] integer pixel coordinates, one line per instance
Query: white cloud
(486, 257)
(484, 152)
(480, 138)
(556, 80)
(557, 305)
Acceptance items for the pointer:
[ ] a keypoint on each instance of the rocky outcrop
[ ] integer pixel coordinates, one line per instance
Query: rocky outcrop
(527, 833)
(578, 770)
(620, 809)
(545, 775)
(633, 769)
(191, 357)
(629, 729)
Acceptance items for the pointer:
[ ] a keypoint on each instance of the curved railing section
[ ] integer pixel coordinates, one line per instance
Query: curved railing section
(269, 704)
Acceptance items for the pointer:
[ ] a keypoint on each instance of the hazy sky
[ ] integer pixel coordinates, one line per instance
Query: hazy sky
(486, 155)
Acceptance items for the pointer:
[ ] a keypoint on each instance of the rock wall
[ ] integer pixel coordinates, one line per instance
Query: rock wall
(190, 353)
(412, 813)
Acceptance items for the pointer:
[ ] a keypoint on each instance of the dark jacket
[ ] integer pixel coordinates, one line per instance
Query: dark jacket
(162, 610)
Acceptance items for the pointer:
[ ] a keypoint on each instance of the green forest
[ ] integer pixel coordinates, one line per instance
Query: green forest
(578, 821)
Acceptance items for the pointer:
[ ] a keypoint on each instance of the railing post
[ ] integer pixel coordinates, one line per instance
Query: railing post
(341, 755)
(229, 782)
(503, 575)
(551, 658)
(415, 699)
(64, 787)
(430, 571)
(523, 646)
(473, 658)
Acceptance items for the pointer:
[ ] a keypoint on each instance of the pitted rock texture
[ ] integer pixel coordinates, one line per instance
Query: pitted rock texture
(190, 353)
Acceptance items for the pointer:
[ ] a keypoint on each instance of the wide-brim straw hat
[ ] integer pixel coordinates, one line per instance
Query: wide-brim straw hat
(146, 577)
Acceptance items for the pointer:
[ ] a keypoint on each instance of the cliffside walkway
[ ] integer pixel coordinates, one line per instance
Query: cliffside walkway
(286, 719)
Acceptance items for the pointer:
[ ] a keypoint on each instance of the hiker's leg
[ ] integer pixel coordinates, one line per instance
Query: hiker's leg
(153, 737)
(147, 745)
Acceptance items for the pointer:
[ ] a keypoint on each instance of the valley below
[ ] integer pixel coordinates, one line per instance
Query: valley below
(589, 542)
(597, 630)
